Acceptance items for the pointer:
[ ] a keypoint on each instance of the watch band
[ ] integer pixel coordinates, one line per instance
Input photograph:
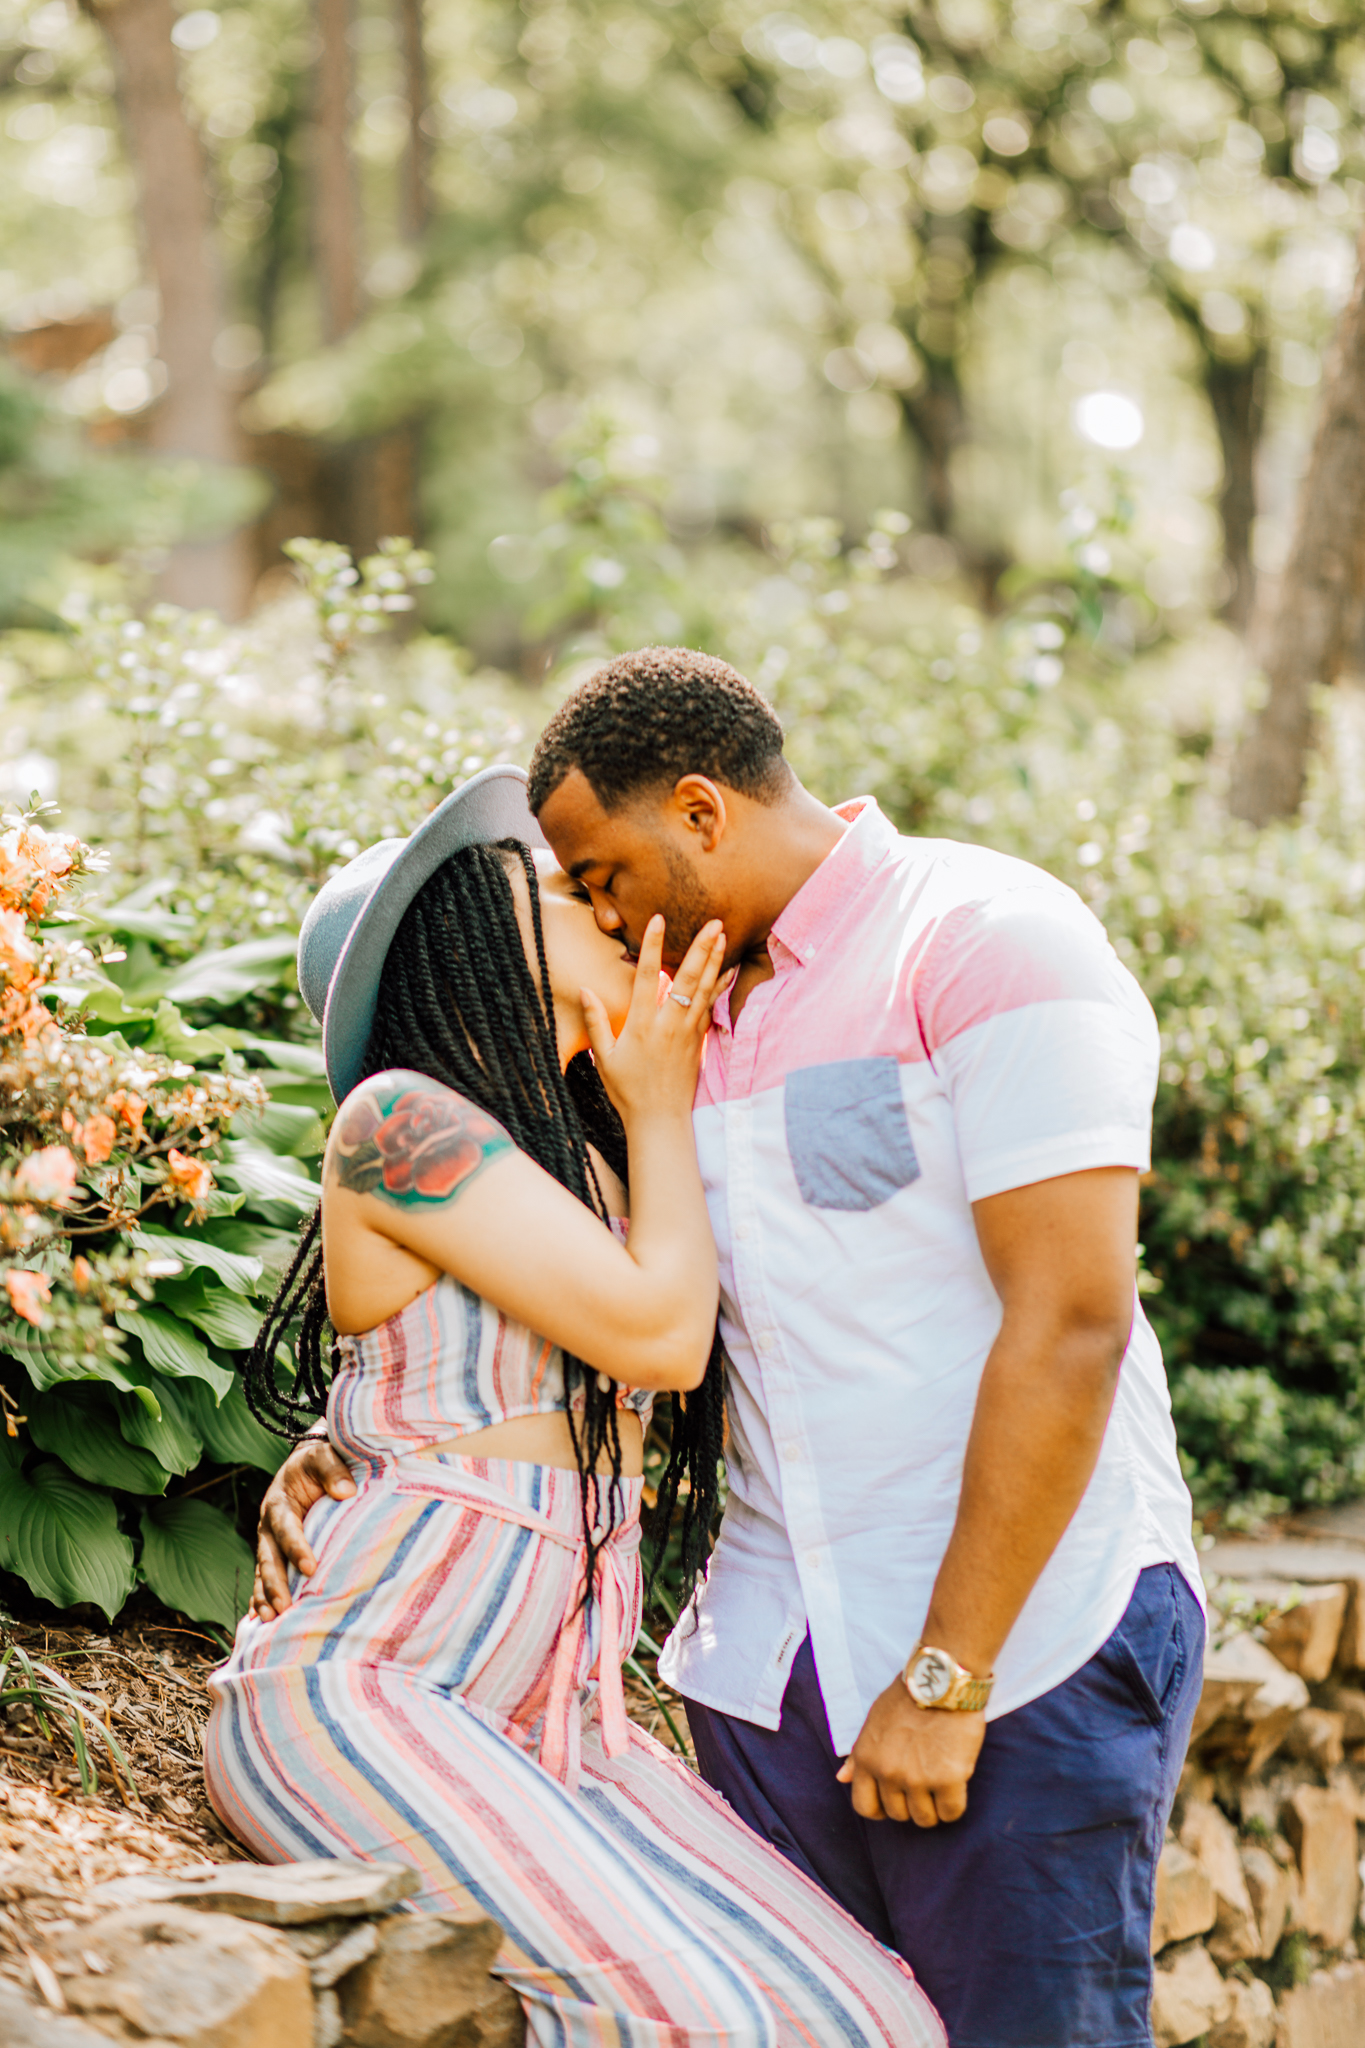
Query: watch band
(935, 1680)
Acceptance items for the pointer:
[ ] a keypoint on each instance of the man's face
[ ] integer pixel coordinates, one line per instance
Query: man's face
(633, 862)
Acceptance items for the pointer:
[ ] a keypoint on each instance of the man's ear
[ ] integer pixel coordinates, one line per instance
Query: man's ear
(698, 805)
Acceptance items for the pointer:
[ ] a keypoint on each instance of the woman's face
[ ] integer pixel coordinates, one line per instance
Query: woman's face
(577, 954)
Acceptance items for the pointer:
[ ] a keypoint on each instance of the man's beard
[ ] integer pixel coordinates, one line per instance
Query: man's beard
(687, 908)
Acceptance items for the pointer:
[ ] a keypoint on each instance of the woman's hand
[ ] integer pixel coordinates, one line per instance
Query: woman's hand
(651, 1069)
(311, 1471)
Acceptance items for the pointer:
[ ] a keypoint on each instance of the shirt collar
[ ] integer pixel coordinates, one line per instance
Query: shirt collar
(822, 902)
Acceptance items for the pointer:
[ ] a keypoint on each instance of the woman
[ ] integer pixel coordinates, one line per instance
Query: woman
(445, 1687)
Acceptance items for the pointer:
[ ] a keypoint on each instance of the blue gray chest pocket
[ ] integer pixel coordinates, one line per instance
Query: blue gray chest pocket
(847, 1134)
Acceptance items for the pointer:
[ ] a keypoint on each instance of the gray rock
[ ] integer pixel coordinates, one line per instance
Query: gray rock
(282, 1894)
(353, 1949)
(1188, 1996)
(33, 2026)
(1326, 2012)
(1250, 2022)
(317, 1937)
(427, 1986)
(328, 2025)
(181, 1978)
(1322, 1827)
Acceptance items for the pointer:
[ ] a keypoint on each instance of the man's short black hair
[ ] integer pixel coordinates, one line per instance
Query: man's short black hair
(647, 719)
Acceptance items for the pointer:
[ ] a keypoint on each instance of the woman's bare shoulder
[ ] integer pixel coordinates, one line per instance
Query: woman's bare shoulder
(410, 1140)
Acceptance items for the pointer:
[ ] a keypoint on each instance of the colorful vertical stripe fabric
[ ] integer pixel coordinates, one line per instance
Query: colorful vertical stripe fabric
(445, 1366)
(398, 1710)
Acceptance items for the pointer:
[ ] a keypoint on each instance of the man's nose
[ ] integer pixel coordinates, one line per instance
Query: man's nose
(609, 918)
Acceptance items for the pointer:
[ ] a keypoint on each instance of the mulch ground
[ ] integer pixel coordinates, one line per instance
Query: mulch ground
(58, 1842)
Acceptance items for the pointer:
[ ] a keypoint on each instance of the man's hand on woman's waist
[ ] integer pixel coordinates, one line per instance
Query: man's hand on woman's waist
(311, 1471)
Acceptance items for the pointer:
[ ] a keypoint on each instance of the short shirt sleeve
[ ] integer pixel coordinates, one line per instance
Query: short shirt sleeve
(1046, 1045)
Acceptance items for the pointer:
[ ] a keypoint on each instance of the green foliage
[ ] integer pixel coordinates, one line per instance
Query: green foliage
(35, 1692)
(63, 1538)
(194, 1560)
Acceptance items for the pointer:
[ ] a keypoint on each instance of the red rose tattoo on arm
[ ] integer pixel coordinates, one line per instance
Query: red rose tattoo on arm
(411, 1140)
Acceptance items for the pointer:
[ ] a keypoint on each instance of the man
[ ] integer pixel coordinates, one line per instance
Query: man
(949, 1646)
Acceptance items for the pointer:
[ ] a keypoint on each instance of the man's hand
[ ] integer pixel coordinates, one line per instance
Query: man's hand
(912, 1763)
(311, 1471)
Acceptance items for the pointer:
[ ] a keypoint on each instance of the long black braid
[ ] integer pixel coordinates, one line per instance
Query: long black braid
(457, 1001)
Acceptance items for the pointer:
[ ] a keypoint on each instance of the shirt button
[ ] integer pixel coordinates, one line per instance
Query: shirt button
(765, 1340)
(741, 1230)
(791, 1450)
(813, 1560)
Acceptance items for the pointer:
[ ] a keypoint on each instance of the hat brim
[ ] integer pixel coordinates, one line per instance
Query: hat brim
(490, 806)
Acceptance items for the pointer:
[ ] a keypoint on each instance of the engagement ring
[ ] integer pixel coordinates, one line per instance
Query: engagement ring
(683, 1002)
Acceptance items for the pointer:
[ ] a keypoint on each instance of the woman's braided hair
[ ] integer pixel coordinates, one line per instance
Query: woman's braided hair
(457, 1002)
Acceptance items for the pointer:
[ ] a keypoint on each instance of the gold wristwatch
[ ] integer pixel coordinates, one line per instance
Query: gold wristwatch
(934, 1679)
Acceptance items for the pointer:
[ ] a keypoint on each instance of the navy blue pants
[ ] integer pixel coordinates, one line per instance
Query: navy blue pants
(1028, 1921)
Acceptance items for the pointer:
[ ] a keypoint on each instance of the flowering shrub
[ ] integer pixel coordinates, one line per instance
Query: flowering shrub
(112, 1159)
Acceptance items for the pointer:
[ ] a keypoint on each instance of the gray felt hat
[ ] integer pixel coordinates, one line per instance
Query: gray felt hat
(351, 921)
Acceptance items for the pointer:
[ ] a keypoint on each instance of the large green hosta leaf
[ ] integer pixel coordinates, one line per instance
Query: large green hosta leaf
(171, 1347)
(169, 1434)
(224, 977)
(224, 1318)
(289, 1130)
(80, 1425)
(274, 1248)
(231, 1433)
(62, 1538)
(280, 1188)
(47, 1365)
(236, 1269)
(193, 1559)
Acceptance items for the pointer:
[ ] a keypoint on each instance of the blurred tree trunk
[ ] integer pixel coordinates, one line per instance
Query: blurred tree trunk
(396, 460)
(196, 416)
(336, 201)
(1307, 641)
(937, 418)
(414, 199)
(1237, 397)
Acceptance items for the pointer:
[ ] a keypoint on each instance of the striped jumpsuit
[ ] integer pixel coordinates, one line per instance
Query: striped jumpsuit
(434, 1695)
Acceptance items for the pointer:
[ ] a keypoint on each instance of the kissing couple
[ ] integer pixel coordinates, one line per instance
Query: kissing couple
(876, 1109)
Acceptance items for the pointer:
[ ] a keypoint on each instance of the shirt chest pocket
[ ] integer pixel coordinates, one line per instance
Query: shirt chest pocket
(847, 1134)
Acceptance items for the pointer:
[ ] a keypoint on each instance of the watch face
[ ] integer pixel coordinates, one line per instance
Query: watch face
(929, 1678)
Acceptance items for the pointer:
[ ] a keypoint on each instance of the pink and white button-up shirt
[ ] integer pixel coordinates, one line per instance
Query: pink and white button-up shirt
(942, 1023)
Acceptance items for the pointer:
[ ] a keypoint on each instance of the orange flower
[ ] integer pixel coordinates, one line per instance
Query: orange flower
(18, 1225)
(29, 1294)
(80, 1273)
(17, 950)
(190, 1178)
(123, 1103)
(99, 1138)
(48, 1176)
(51, 851)
(18, 872)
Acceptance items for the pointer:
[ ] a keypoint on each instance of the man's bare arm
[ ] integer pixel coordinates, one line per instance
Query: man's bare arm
(311, 1471)
(1062, 1257)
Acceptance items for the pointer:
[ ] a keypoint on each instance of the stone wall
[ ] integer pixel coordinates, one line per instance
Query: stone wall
(1259, 1885)
(303, 1955)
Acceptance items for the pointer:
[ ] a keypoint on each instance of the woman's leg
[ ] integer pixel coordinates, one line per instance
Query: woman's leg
(355, 1760)
(826, 1979)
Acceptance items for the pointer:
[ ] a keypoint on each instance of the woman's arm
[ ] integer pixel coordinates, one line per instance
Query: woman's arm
(413, 1163)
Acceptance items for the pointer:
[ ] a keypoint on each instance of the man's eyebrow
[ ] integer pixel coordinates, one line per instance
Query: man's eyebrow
(580, 868)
